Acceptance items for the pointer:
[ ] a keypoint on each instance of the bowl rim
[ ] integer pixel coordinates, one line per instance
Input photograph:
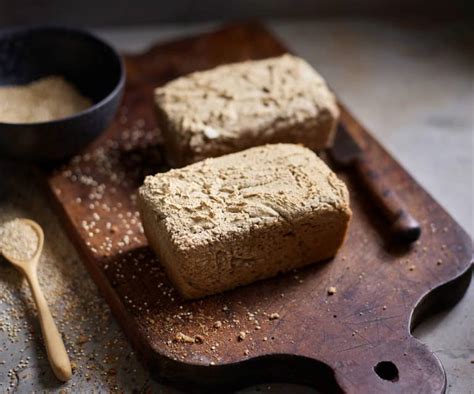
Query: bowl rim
(79, 32)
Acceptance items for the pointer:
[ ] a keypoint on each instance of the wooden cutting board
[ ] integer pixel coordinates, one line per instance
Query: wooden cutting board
(357, 340)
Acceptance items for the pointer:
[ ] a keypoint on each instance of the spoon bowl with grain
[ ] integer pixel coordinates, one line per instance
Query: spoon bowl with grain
(21, 243)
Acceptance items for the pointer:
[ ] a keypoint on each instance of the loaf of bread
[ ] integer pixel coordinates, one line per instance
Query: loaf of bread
(232, 220)
(237, 106)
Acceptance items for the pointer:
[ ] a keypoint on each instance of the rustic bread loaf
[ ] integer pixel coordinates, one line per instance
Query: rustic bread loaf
(237, 106)
(229, 221)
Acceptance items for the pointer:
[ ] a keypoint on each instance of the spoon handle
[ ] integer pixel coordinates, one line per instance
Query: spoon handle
(57, 355)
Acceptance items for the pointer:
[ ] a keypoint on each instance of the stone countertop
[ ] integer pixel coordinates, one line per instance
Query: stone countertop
(412, 86)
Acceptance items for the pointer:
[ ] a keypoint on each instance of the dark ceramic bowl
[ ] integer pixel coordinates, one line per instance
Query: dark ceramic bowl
(91, 65)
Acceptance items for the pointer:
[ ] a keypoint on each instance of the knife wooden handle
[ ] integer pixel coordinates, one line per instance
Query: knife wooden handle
(403, 225)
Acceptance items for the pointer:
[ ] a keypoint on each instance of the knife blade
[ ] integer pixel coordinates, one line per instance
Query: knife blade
(347, 153)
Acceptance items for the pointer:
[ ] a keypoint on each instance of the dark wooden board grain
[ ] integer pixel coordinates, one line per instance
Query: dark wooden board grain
(333, 342)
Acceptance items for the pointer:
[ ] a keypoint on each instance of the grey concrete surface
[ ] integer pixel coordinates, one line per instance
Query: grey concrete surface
(412, 86)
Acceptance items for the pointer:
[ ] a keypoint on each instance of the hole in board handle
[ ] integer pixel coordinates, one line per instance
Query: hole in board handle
(387, 370)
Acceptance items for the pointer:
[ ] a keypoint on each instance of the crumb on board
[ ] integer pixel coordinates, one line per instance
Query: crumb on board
(241, 336)
(183, 338)
(331, 290)
(274, 316)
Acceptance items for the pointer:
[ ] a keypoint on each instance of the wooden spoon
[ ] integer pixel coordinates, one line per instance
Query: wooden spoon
(57, 355)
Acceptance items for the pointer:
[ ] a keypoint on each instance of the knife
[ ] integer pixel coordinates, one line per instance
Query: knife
(347, 153)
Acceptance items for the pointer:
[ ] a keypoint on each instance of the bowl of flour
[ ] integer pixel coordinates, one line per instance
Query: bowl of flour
(59, 89)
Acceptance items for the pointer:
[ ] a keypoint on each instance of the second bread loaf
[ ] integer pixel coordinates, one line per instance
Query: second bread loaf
(237, 106)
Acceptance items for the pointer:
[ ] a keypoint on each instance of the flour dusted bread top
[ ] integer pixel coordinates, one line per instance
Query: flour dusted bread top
(236, 106)
(218, 198)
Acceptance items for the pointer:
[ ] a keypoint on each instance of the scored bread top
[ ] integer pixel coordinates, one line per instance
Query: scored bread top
(219, 197)
(244, 98)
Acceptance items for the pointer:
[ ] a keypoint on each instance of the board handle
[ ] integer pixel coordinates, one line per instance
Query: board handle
(404, 226)
(392, 367)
